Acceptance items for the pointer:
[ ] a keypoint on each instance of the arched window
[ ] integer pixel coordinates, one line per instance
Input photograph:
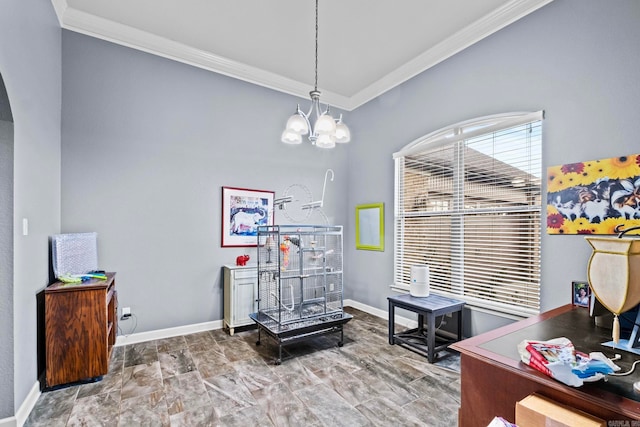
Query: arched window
(468, 204)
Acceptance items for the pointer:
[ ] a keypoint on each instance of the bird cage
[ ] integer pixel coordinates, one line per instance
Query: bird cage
(300, 281)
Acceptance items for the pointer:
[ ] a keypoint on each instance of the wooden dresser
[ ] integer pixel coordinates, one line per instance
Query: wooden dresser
(81, 323)
(493, 379)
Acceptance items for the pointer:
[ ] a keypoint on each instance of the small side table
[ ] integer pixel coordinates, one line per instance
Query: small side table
(418, 339)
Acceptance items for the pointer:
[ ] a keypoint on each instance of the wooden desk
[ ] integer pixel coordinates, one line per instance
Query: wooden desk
(81, 324)
(493, 379)
(429, 307)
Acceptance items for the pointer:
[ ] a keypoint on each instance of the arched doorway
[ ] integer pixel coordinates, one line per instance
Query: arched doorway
(6, 252)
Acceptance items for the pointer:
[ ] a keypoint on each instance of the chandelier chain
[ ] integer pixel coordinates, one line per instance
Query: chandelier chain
(315, 88)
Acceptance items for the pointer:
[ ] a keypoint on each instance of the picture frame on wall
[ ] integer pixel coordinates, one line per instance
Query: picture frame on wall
(580, 294)
(370, 227)
(594, 197)
(243, 211)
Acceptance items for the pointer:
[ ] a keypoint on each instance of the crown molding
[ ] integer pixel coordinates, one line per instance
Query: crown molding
(84, 23)
(60, 7)
(489, 24)
(125, 35)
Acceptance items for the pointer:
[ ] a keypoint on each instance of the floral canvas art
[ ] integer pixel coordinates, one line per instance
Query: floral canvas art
(594, 197)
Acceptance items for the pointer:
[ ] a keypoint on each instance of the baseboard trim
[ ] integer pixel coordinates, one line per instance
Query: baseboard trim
(23, 412)
(366, 308)
(400, 320)
(218, 324)
(167, 333)
(28, 404)
(8, 422)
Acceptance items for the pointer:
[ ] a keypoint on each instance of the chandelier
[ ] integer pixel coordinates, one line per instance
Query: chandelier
(326, 130)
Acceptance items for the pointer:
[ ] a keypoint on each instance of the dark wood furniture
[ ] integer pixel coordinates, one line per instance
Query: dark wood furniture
(424, 342)
(81, 322)
(493, 379)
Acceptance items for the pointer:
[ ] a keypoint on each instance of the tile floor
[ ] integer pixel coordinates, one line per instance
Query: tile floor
(213, 379)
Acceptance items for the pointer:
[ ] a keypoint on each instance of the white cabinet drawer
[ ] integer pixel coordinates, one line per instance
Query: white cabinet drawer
(245, 273)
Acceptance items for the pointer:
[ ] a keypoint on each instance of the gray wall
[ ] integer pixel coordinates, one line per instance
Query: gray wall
(147, 145)
(30, 57)
(6, 258)
(577, 60)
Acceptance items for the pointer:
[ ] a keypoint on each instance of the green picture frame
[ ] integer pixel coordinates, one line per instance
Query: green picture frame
(370, 227)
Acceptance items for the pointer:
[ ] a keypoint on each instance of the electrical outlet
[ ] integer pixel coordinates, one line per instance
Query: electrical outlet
(126, 313)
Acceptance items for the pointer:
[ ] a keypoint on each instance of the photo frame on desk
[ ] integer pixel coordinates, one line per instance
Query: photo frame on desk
(580, 294)
(243, 211)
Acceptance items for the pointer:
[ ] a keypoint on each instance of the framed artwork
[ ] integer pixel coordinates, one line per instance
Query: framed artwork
(370, 227)
(243, 211)
(594, 197)
(580, 294)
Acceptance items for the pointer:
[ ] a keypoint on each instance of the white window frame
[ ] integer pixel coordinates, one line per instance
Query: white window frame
(444, 137)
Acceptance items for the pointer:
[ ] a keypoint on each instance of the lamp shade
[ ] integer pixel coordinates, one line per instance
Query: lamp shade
(343, 134)
(326, 141)
(614, 274)
(298, 124)
(290, 137)
(325, 125)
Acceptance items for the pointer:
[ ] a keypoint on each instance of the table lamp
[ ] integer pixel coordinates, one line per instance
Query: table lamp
(614, 277)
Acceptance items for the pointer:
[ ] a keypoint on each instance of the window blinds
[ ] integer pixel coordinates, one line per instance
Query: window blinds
(471, 209)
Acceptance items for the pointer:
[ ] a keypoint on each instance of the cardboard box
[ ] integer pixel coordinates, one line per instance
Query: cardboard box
(538, 411)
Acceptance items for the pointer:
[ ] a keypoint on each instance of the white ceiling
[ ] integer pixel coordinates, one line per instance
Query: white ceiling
(366, 47)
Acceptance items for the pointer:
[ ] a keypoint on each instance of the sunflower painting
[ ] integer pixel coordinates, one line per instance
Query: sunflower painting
(594, 197)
